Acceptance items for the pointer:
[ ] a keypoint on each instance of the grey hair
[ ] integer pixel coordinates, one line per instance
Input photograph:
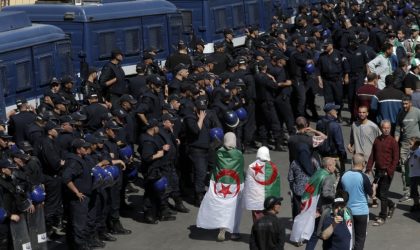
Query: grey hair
(358, 159)
(383, 122)
(327, 160)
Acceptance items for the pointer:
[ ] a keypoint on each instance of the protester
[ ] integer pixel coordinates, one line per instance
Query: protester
(268, 232)
(221, 207)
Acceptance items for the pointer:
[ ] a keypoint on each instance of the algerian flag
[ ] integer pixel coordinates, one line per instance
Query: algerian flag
(221, 206)
(304, 223)
(262, 180)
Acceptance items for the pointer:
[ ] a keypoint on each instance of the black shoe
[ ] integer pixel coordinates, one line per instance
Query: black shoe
(167, 218)
(106, 237)
(118, 229)
(150, 220)
(82, 247)
(415, 208)
(96, 243)
(179, 206)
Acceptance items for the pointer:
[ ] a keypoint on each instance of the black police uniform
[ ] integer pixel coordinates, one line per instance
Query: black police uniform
(151, 105)
(77, 170)
(297, 64)
(152, 171)
(250, 98)
(282, 99)
(113, 92)
(267, 116)
(176, 59)
(68, 95)
(198, 143)
(221, 61)
(94, 113)
(137, 86)
(357, 61)
(18, 123)
(49, 156)
(332, 67)
(34, 133)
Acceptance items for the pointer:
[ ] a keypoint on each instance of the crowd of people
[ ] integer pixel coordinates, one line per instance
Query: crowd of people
(201, 112)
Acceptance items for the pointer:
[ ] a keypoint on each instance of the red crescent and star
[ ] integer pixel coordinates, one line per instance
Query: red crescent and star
(258, 169)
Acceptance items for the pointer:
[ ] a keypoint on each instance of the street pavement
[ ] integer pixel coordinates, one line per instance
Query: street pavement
(401, 232)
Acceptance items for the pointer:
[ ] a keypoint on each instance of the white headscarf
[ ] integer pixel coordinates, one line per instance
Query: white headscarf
(263, 154)
(229, 141)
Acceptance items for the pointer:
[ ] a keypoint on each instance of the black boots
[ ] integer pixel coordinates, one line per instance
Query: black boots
(166, 215)
(95, 242)
(106, 237)
(179, 205)
(117, 228)
(198, 198)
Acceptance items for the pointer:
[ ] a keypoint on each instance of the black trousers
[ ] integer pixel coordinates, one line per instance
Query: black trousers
(199, 160)
(53, 200)
(299, 94)
(152, 200)
(270, 122)
(78, 232)
(173, 181)
(296, 203)
(250, 125)
(115, 198)
(333, 92)
(360, 224)
(285, 112)
(383, 193)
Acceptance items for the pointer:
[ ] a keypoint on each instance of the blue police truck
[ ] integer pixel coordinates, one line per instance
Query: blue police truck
(97, 27)
(30, 55)
(208, 18)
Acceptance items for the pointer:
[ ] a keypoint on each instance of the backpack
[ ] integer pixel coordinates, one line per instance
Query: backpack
(327, 146)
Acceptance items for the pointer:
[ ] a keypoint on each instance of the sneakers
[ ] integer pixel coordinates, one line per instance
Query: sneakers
(222, 234)
(405, 198)
(391, 211)
(374, 202)
(378, 222)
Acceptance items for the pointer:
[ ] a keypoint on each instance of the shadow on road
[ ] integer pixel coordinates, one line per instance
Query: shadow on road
(211, 235)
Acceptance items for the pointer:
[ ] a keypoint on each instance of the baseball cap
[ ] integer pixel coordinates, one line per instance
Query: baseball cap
(4, 135)
(21, 155)
(79, 143)
(271, 201)
(128, 98)
(5, 163)
(167, 116)
(152, 123)
(173, 97)
(415, 27)
(21, 101)
(111, 125)
(330, 106)
(52, 125)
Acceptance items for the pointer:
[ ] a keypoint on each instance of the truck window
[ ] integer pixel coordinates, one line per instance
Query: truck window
(64, 54)
(187, 20)
(132, 42)
(107, 42)
(3, 81)
(155, 37)
(24, 76)
(175, 25)
(238, 16)
(45, 70)
(253, 13)
(220, 19)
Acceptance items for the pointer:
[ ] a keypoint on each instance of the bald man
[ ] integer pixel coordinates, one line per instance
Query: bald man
(357, 184)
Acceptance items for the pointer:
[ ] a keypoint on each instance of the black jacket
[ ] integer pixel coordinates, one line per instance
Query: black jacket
(268, 233)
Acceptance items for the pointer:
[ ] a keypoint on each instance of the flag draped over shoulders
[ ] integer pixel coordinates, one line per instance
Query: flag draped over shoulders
(304, 223)
(221, 206)
(262, 180)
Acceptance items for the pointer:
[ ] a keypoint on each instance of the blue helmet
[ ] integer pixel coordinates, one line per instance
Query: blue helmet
(216, 134)
(3, 214)
(310, 68)
(38, 194)
(126, 152)
(231, 119)
(107, 178)
(161, 184)
(242, 114)
(114, 170)
(97, 176)
(132, 172)
(326, 33)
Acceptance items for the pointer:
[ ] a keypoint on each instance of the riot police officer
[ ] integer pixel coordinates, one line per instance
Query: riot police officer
(18, 122)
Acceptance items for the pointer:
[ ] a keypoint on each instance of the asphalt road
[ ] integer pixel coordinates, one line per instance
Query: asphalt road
(400, 232)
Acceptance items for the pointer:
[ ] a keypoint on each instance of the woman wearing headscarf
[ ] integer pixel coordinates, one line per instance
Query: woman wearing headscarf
(221, 206)
(262, 180)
